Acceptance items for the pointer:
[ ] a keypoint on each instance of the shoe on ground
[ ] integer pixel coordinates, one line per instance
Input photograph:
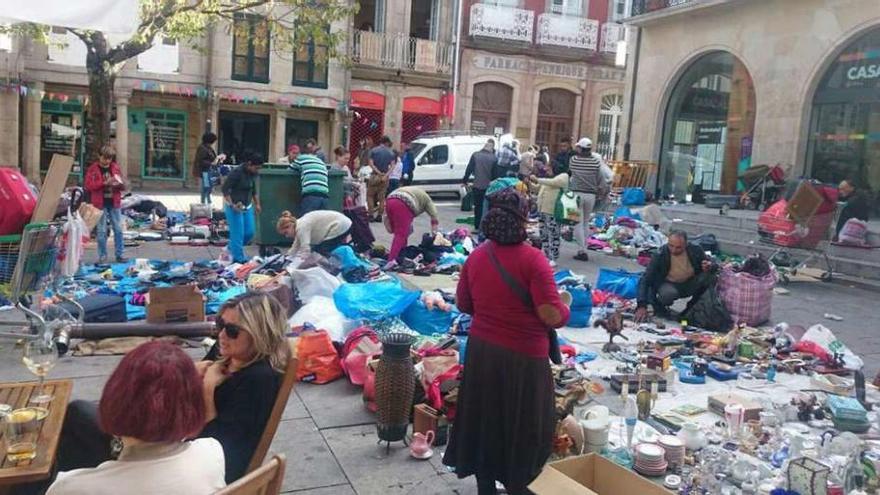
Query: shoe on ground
(102, 260)
(121, 259)
(582, 257)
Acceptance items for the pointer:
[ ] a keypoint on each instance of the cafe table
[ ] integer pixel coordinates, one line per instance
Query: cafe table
(17, 395)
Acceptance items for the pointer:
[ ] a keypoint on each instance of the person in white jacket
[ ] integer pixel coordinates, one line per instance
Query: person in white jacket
(321, 231)
(548, 194)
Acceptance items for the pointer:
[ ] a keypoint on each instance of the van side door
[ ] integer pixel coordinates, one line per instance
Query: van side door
(433, 166)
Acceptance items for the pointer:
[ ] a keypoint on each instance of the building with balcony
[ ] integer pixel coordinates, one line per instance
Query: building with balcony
(542, 70)
(719, 85)
(402, 62)
(254, 98)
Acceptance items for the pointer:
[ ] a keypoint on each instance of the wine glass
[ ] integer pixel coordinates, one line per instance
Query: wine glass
(40, 356)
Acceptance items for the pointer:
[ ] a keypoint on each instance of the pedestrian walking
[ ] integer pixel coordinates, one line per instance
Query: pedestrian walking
(505, 419)
(381, 158)
(482, 167)
(409, 166)
(315, 184)
(590, 178)
(548, 193)
(204, 165)
(104, 182)
(240, 203)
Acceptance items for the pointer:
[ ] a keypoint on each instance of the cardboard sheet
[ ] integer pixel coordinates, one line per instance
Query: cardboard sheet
(53, 186)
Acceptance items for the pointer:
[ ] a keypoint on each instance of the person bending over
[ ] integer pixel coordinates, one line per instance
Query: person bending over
(320, 231)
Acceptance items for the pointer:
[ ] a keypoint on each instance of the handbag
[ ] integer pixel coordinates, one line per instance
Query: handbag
(523, 295)
(568, 208)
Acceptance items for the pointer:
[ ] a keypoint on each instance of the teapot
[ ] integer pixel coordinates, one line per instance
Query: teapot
(692, 436)
(420, 446)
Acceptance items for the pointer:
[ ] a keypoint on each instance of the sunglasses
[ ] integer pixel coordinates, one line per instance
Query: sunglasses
(231, 329)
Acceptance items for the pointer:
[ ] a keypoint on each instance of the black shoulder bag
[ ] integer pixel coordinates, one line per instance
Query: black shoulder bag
(523, 295)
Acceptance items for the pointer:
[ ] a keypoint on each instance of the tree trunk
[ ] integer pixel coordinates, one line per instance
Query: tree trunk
(102, 79)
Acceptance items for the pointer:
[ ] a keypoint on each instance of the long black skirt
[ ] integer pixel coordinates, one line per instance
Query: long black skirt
(505, 417)
(361, 234)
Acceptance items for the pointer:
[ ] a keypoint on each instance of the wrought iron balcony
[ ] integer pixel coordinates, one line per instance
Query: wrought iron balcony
(507, 23)
(568, 31)
(398, 51)
(640, 7)
(611, 34)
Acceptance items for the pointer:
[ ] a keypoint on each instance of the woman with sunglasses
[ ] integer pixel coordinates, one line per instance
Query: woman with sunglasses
(242, 374)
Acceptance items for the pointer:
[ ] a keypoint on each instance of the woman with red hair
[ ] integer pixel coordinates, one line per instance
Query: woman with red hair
(153, 403)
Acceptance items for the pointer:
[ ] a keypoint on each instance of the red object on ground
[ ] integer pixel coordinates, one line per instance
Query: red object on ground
(17, 201)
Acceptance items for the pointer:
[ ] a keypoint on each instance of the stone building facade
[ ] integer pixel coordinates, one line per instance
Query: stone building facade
(542, 70)
(716, 86)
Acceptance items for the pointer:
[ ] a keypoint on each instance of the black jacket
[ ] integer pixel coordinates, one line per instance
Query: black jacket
(658, 269)
(858, 205)
(560, 162)
(204, 160)
(481, 166)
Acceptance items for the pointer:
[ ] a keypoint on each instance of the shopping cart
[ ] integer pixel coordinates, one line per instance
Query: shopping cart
(800, 237)
(27, 265)
(763, 186)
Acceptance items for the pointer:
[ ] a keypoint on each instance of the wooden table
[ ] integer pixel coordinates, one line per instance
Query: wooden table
(17, 395)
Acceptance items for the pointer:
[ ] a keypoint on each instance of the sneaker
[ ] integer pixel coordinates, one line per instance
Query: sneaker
(582, 257)
(121, 259)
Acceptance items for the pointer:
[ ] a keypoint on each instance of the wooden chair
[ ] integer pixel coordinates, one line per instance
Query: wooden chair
(277, 410)
(266, 480)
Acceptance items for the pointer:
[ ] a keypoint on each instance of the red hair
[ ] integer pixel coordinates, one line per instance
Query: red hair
(154, 395)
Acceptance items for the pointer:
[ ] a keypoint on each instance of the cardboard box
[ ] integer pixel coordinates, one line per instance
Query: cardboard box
(179, 304)
(718, 402)
(592, 474)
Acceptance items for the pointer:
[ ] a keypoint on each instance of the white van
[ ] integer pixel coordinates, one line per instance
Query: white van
(441, 159)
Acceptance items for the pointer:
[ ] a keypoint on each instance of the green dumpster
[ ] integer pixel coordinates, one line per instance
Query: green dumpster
(278, 187)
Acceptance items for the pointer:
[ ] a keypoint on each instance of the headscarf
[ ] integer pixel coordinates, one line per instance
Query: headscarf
(505, 223)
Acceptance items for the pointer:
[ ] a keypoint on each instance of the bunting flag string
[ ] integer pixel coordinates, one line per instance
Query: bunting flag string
(198, 92)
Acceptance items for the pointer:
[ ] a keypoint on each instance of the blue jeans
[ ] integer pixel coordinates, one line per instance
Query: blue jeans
(207, 188)
(114, 216)
(392, 185)
(241, 231)
(311, 202)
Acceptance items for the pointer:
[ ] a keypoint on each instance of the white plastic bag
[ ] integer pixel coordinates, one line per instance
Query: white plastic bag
(818, 337)
(321, 313)
(314, 282)
(74, 231)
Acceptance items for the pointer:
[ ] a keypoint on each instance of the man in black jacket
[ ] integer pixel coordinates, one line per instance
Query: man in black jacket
(858, 204)
(677, 271)
(481, 166)
(562, 159)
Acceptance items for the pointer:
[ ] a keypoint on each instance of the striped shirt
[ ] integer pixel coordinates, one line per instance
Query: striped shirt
(585, 173)
(313, 173)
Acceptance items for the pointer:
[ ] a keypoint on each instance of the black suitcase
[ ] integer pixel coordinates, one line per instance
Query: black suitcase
(100, 308)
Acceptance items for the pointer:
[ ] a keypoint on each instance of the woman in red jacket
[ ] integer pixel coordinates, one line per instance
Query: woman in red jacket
(505, 419)
(104, 182)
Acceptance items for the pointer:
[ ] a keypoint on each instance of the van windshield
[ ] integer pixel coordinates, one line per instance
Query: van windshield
(416, 148)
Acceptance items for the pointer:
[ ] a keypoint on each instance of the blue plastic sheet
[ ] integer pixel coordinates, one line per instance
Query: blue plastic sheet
(621, 282)
(623, 211)
(428, 321)
(633, 196)
(373, 300)
(349, 260)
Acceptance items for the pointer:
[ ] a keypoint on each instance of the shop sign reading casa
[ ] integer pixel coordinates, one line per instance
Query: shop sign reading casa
(572, 71)
(860, 72)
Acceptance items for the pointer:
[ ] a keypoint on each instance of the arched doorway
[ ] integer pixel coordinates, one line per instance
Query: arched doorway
(555, 117)
(610, 114)
(845, 124)
(708, 129)
(490, 112)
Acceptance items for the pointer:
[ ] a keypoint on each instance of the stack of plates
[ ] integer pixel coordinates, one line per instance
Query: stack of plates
(674, 448)
(650, 459)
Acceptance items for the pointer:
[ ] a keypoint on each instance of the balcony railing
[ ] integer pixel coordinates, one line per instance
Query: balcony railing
(611, 34)
(399, 51)
(506, 23)
(568, 31)
(640, 7)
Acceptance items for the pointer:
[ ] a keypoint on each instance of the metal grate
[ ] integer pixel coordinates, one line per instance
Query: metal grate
(365, 123)
(416, 124)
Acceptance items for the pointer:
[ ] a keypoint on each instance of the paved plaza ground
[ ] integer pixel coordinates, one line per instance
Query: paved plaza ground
(328, 435)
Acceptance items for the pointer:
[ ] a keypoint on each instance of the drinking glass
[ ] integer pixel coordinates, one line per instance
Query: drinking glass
(22, 429)
(40, 356)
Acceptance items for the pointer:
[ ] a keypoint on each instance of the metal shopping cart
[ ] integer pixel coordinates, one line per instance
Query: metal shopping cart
(800, 230)
(27, 266)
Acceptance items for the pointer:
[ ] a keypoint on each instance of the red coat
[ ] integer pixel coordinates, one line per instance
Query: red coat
(95, 184)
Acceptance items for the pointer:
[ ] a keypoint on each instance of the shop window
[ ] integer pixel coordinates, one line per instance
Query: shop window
(845, 126)
(438, 155)
(610, 114)
(310, 65)
(490, 112)
(164, 145)
(708, 129)
(250, 49)
(61, 131)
